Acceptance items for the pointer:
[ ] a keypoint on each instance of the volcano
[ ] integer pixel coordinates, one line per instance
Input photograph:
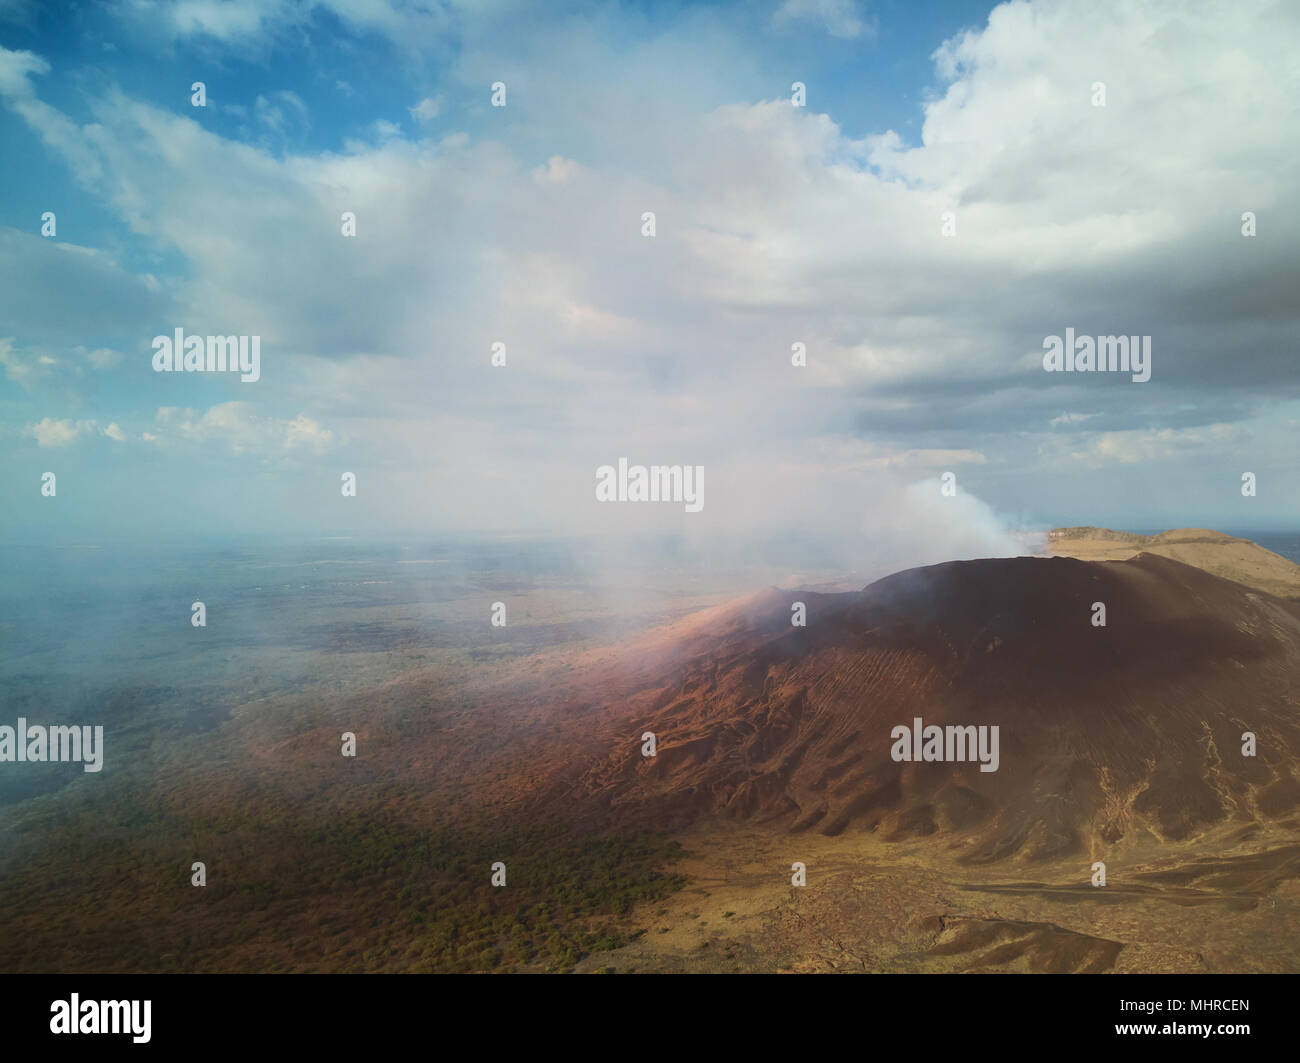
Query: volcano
(1177, 716)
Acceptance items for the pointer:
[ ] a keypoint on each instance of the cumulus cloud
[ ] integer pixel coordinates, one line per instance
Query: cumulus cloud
(25, 366)
(238, 428)
(49, 432)
(775, 225)
(558, 170)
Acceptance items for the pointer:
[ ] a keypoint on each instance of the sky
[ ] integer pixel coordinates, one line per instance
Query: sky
(949, 195)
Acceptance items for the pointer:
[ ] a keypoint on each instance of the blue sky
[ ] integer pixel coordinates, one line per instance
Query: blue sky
(521, 224)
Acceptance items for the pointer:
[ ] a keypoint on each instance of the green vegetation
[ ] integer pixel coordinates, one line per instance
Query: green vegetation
(342, 892)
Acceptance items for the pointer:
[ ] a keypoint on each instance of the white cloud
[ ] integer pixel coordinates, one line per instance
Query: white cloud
(26, 366)
(14, 70)
(237, 427)
(21, 370)
(102, 357)
(302, 431)
(427, 109)
(1148, 446)
(1071, 418)
(224, 20)
(258, 22)
(281, 112)
(839, 18)
(776, 225)
(36, 276)
(59, 433)
(557, 171)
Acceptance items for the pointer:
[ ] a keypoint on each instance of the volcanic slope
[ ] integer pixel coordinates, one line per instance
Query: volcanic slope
(1124, 735)
(1219, 554)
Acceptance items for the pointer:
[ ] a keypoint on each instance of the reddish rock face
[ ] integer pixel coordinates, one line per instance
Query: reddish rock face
(1105, 731)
